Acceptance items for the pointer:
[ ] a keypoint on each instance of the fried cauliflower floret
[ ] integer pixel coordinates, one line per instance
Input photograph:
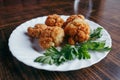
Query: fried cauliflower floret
(77, 30)
(36, 30)
(46, 42)
(54, 20)
(51, 36)
(71, 18)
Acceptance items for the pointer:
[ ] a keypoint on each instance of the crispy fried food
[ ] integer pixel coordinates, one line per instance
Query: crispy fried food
(77, 30)
(51, 36)
(36, 30)
(54, 20)
(71, 18)
(46, 42)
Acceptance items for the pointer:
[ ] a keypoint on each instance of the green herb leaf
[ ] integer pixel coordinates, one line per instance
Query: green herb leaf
(68, 52)
(96, 34)
(83, 52)
(45, 60)
(97, 46)
(51, 51)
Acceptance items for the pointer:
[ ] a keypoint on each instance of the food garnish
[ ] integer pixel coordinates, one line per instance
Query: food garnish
(70, 52)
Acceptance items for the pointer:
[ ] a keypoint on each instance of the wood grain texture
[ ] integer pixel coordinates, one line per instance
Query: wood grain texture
(15, 12)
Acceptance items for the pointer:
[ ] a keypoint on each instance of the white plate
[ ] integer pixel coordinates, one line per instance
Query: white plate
(27, 50)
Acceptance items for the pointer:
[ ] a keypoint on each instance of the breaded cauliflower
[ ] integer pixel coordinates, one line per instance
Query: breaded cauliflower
(51, 36)
(77, 30)
(36, 30)
(71, 18)
(54, 20)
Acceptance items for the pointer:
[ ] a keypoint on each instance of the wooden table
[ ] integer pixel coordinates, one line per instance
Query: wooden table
(15, 12)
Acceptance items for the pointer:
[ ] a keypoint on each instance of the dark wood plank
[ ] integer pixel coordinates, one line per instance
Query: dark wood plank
(15, 12)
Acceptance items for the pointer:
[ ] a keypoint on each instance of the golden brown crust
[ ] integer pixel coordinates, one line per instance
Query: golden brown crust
(77, 30)
(57, 35)
(47, 32)
(36, 30)
(46, 42)
(71, 41)
(71, 18)
(54, 20)
(51, 36)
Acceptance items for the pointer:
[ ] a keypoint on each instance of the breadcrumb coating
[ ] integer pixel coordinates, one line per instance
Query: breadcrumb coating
(52, 33)
(54, 20)
(71, 18)
(36, 30)
(51, 36)
(77, 30)
(46, 42)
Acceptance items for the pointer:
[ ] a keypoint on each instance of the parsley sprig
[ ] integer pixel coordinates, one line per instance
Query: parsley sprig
(69, 52)
(96, 34)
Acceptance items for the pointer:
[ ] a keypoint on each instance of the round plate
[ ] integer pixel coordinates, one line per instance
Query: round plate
(27, 50)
